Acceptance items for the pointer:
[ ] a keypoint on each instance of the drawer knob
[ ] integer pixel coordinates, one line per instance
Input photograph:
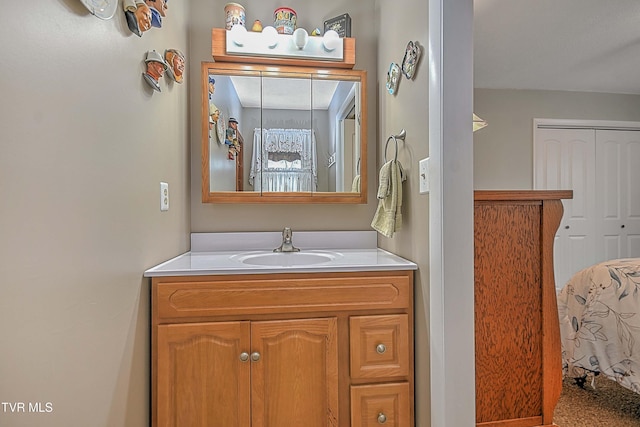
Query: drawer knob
(382, 418)
(255, 356)
(244, 356)
(381, 348)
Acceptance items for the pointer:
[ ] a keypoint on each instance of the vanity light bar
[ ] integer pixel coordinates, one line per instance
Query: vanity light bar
(269, 43)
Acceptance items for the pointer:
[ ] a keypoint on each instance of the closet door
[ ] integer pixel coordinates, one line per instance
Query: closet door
(564, 159)
(618, 194)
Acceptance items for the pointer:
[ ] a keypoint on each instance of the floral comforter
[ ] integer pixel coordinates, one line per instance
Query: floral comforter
(599, 310)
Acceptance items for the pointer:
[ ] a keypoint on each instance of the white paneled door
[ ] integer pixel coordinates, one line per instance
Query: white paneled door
(618, 194)
(565, 160)
(600, 165)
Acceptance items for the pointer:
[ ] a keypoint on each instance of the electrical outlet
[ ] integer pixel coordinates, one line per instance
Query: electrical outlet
(164, 196)
(424, 175)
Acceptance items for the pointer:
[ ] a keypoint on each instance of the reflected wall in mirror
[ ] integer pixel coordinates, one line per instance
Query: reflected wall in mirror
(283, 134)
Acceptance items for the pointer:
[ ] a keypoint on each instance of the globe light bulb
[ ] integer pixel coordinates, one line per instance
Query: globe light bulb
(270, 36)
(331, 40)
(300, 38)
(238, 34)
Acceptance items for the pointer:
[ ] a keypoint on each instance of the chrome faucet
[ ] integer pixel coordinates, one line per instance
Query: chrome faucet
(287, 242)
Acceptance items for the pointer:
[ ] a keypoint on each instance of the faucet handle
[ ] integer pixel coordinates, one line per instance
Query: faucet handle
(287, 242)
(287, 234)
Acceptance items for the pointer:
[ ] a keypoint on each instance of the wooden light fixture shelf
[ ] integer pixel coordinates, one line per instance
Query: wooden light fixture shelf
(220, 54)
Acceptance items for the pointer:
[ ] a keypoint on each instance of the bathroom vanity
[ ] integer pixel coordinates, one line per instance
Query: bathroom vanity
(248, 337)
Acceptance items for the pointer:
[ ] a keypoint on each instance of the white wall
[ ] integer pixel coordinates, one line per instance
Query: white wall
(85, 143)
(409, 110)
(503, 151)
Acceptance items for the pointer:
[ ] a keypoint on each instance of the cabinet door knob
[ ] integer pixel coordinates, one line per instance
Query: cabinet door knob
(622, 226)
(566, 227)
(382, 418)
(255, 356)
(244, 356)
(381, 348)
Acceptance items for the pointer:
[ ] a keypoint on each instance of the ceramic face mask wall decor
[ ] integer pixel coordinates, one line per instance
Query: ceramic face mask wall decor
(158, 11)
(155, 69)
(138, 16)
(175, 62)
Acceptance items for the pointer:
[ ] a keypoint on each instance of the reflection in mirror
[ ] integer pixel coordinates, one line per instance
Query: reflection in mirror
(291, 133)
(290, 128)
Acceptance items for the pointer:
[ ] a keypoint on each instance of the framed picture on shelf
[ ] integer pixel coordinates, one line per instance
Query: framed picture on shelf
(340, 24)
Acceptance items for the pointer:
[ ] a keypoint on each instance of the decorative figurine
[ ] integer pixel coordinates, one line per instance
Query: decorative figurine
(158, 11)
(214, 112)
(234, 15)
(257, 26)
(212, 87)
(175, 62)
(316, 32)
(216, 117)
(138, 16)
(234, 139)
(155, 68)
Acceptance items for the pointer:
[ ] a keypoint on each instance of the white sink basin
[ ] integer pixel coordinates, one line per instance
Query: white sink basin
(285, 259)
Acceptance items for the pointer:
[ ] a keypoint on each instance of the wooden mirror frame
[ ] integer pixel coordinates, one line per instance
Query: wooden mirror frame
(209, 196)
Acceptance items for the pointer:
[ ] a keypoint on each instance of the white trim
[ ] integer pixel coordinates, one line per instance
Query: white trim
(451, 273)
(339, 136)
(584, 124)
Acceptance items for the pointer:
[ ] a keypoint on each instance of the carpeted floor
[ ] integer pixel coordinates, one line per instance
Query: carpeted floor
(608, 405)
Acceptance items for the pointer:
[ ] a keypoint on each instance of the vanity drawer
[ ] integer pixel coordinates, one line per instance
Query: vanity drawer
(176, 298)
(379, 346)
(380, 405)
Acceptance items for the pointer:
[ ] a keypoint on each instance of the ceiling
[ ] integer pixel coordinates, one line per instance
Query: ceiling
(284, 93)
(574, 45)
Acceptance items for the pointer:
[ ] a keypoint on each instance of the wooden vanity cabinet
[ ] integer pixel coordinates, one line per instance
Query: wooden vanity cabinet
(517, 331)
(285, 350)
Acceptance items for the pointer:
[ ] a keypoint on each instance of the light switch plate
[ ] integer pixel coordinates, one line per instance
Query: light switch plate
(424, 175)
(164, 196)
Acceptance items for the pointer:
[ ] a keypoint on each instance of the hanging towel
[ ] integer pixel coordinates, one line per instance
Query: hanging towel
(388, 216)
(355, 187)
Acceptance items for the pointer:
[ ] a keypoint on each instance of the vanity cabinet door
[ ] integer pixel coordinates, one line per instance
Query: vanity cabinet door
(294, 380)
(202, 380)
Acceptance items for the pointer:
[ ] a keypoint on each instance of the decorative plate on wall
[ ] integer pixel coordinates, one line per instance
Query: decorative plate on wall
(411, 58)
(221, 130)
(393, 78)
(103, 9)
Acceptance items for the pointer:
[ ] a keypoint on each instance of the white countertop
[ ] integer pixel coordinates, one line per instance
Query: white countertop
(223, 253)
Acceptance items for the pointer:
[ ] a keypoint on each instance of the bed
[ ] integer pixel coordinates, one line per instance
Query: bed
(599, 310)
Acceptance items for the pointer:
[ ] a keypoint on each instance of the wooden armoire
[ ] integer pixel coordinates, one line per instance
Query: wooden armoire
(517, 331)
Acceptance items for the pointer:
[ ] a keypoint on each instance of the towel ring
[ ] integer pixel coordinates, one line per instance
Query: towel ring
(395, 138)
(387, 144)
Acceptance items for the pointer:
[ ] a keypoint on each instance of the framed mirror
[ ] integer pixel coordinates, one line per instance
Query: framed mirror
(283, 134)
